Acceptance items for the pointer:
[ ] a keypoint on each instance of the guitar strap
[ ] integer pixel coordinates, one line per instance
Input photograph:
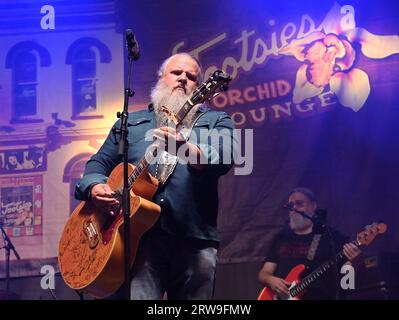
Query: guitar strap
(167, 162)
(313, 246)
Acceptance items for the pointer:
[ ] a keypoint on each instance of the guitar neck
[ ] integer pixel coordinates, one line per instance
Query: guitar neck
(314, 275)
(151, 155)
(138, 170)
(184, 110)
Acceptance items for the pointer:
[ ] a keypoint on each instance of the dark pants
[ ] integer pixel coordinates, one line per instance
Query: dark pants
(180, 267)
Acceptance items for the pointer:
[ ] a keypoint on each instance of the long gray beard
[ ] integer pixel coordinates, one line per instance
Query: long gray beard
(161, 96)
(174, 101)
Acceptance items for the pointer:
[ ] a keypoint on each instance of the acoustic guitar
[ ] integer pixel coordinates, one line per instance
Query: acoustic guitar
(91, 249)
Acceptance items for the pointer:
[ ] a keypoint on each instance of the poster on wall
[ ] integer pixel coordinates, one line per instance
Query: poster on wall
(21, 200)
(30, 159)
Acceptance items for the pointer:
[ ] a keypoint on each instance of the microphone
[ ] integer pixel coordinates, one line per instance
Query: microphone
(132, 45)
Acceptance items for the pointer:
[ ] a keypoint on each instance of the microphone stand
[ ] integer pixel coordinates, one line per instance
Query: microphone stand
(8, 246)
(123, 148)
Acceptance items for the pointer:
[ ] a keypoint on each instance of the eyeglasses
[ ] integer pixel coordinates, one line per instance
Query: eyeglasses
(297, 203)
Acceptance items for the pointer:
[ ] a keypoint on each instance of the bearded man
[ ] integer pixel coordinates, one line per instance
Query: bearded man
(308, 244)
(177, 257)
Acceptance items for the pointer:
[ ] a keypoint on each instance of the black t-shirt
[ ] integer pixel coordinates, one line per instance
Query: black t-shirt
(289, 249)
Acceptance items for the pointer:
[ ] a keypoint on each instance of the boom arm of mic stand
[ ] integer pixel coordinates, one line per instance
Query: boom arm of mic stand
(303, 214)
(8, 244)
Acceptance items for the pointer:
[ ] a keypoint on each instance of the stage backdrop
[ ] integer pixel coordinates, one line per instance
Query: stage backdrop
(314, 92)
(316, 81)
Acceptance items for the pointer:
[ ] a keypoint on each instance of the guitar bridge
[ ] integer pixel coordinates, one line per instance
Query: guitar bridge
(91, 233)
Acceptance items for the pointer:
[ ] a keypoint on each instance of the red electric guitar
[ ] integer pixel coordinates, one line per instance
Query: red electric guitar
(298, 286)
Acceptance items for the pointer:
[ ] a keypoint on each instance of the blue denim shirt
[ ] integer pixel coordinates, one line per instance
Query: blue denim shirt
(189, 198)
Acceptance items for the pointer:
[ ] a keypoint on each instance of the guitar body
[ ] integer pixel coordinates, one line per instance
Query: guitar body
(293, 277)
(91, 249)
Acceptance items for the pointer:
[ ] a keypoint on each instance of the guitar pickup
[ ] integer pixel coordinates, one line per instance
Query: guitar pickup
(91, 233)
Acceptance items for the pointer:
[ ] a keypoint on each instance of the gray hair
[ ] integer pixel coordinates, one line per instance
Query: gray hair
(161, 70)
(305, 191)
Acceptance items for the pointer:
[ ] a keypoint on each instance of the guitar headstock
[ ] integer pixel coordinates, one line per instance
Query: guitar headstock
(219, 80)
(370, 232)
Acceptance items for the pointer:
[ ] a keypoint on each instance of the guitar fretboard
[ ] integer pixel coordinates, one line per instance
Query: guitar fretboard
(181, 114)
(317, 273)
(152, 153)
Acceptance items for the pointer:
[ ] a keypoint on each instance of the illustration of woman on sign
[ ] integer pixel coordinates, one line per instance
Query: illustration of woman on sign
(13, 162)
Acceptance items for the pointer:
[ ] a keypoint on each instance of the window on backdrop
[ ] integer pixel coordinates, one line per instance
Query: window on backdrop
(25, 85)
(84, 72)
